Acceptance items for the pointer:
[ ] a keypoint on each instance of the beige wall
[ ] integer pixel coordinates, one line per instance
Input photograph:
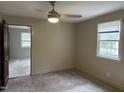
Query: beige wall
(16, 50)
(108, 70)
(53, 45)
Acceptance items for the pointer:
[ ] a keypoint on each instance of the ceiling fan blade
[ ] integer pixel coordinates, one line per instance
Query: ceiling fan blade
(72, 16)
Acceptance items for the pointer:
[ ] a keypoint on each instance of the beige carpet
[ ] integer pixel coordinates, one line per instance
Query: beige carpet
(19, 67)
(67, 81)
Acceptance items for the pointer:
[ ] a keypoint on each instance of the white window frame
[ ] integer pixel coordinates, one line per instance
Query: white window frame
(119, 45)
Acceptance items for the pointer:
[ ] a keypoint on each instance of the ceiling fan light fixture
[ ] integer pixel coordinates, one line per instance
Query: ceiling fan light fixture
(53, 20)
(53, 16)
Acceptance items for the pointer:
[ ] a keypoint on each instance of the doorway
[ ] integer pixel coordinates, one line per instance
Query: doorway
(20, 51)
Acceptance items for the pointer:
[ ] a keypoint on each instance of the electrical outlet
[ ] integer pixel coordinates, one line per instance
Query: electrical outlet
(108, 74)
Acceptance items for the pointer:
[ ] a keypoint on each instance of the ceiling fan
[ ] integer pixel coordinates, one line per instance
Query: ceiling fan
(54, 16)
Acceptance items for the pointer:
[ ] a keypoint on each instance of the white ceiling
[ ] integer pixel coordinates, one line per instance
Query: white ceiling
(39, 9)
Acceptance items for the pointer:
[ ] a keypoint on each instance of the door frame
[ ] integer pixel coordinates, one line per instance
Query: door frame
(30, 47)
(4, 59)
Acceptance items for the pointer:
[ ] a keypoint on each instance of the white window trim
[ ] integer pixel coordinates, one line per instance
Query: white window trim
(119, 49)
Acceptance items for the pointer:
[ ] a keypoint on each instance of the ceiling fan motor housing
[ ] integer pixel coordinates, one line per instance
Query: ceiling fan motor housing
(53, 14)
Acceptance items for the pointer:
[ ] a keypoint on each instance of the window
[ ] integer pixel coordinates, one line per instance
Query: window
(108, 38)
(25, 39)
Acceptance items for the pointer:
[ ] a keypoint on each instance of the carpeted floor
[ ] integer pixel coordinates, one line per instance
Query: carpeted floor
(63, 81)
(19, 67)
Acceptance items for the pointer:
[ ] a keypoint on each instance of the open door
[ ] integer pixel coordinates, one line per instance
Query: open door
(5, 54)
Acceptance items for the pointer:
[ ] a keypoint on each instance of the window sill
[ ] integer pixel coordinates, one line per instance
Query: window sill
(109, 58)
(25, 47)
